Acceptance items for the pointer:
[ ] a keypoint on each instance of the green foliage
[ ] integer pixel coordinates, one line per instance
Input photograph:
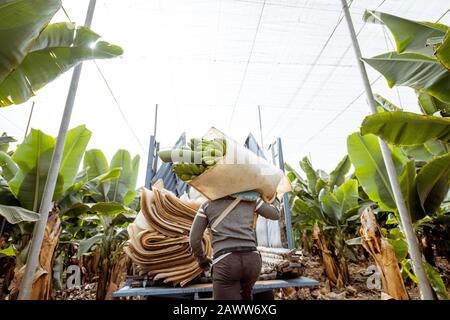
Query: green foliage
(331, 201)
(413, 70)
(406, 128)
(433, 183)
(35, 53)
(33, 157)
(15, 215)
(123, 189)
(337, 176)
(430, 105)
(21, 22)
(365, 155)
(415, 63)
(410, 36)
(443, 51)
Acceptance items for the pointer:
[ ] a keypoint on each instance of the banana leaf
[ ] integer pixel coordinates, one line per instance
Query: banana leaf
(409, 35)
(406, 128)
(123, 189)
(5, 140)
(9, 252)
(430, 105)
(101, 208)
(443, 51)
(337, 176)
(96, 164)
(311, 174)
(9, 167)
(86, 244)
(58, 48)
(413, 70)
(365, 155)
(15, 215)
(330, 206)
(427, 151)
(432, 183)
(21, 22)
(6, 196)
(347, 197)
(87, 188)
(385, 104)
(340, 205)
(436, 282)
(76, 142)
(408, 185)
(33, 158)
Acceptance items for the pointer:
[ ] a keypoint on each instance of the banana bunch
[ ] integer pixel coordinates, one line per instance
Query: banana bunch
(192, 160)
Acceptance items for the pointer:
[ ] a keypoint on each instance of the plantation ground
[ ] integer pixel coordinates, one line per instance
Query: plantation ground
(358, 290)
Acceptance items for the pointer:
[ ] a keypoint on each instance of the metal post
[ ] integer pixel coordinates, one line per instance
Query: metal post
(260, 127)
(156, 121)
(411, 239)
(287, 212)
(49, 188)
(152, 160)
(151, 155)
(29, 120)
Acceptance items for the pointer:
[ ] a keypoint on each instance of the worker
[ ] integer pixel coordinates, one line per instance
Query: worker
(236, 263)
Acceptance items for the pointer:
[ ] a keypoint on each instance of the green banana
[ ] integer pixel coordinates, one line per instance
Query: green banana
(186, 177)
(209, 161)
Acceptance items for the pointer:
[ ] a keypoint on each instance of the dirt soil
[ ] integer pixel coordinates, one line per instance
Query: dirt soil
(357, 290)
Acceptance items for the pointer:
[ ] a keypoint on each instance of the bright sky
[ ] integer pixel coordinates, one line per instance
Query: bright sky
(212, 62)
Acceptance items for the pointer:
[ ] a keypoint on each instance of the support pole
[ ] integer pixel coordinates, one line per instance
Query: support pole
(406, 223)
(152, 160)
(260, 127)
(49, 188)
(29, 120)
(156, 120)
(287, 211)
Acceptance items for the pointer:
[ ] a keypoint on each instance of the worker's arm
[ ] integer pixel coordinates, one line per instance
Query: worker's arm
(196, 235)
(270, 211)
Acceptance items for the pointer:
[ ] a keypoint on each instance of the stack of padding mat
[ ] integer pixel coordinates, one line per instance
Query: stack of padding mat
(280, 263)
(159, 238)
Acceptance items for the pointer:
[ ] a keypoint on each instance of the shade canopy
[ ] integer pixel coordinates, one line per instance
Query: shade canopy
(212, 62)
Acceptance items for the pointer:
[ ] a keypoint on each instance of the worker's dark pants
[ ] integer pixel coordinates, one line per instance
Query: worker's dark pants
(235, 275)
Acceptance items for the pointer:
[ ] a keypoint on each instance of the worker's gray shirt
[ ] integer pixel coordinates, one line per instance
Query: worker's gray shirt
(236, 230)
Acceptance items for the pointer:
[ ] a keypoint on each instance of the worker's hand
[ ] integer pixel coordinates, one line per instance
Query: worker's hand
(205, 264)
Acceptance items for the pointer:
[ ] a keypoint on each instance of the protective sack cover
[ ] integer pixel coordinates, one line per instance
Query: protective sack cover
(238, 171)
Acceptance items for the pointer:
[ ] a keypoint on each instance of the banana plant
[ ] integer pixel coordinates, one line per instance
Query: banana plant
(98, 207)
(34, 52)
(424, 186)
(24, 173)
(415, 63)
(26, 170)
(102, 227)
(327, 204)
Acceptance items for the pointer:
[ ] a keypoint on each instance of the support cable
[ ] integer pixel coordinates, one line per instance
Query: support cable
(248, 63)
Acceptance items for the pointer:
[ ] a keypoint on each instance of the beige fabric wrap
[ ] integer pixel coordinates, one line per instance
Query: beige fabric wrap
(240, 170)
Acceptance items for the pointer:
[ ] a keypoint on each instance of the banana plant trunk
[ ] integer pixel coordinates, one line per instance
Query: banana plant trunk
(103, 279)
(335, 269)
(105, 268)
(117, 275)
(305, 242)
(384, 255)
(42, 287)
